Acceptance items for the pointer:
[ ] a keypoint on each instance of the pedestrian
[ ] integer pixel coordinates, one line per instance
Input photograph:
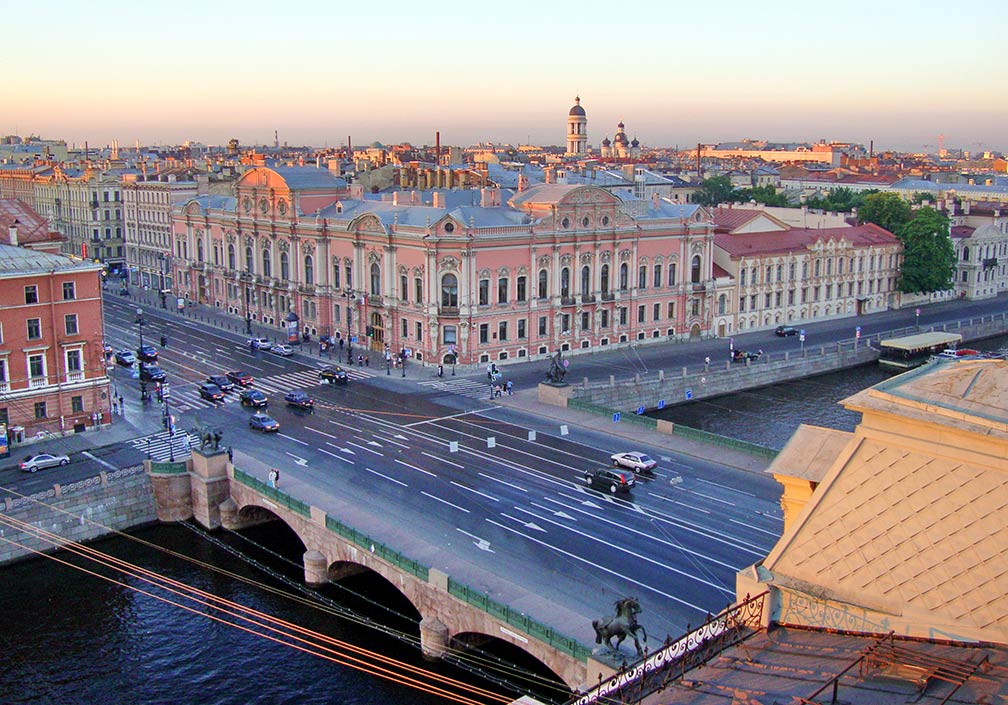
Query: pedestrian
(490, 372)
(440, 370)
(230, 454)
(510, 388)
(276, 479)
(367, 361)
(706, 361)
(115, 406)
(360, 361)
(120, 401)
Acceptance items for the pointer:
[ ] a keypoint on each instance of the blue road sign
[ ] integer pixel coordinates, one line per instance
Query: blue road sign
(616, 417)
(661, 403)
(689, 393)
(353, 338)
(640, 409)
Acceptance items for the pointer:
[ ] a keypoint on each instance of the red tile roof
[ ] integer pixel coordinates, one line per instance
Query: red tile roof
(959, 231)
(31, 227)
(800, 239)
(728, 219)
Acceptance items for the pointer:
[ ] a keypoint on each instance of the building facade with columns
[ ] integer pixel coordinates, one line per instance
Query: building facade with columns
(556, 267)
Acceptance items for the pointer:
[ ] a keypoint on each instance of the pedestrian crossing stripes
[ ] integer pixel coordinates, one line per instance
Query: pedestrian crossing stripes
(163, 445)
(471, 388)
(184, 397)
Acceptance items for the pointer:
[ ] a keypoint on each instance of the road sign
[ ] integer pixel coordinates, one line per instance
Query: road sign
(640, 410)
(801, 337)
(353, 338)
(616, 417)
(857, 332)
(689, 394)
(661, 403)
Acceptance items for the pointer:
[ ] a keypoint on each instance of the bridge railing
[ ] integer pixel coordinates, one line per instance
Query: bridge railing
(514, 618)
(178, 467)
(378, 548)
(281, 498)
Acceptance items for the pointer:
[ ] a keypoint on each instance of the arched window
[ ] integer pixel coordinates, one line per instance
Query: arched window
(543, 282)
(249, 261)
(780, 272)
(266, 262)
(818, 267)
(623, 275)
(449, 291)
(722, 304)
(695, 269)
(585, 281)
(309, 270)
(231, 256)
(565, 283)
(375, 279)
(642, 277)
(284, 266)
(742, 277)
(199, 249)
(965, 254)
(605, 278)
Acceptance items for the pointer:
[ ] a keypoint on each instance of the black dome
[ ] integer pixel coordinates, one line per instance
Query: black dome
(577, 110)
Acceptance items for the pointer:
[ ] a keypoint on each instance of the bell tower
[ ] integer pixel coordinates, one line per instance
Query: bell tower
(577, 130)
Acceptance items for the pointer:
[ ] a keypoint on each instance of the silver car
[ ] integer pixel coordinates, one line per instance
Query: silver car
(31, 463)
(638, 462)
(285, 350)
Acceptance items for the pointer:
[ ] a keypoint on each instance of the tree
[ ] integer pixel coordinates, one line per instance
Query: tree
(715, 190)
(767, 195)
(841, 200)
(886, 210)
(928, 255)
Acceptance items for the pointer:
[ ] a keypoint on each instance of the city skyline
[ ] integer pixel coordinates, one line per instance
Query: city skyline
(166, 73)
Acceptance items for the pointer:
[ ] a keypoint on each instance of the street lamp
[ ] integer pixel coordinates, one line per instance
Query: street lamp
(248, 295)
(167, 420)
(140, 324)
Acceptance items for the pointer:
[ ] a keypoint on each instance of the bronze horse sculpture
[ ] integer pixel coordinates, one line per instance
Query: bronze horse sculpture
(621, 626)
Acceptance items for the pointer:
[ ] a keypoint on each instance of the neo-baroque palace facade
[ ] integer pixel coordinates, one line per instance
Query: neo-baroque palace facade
(557, 267)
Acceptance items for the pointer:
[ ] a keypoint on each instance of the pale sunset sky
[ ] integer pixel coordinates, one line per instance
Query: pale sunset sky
(900, 73)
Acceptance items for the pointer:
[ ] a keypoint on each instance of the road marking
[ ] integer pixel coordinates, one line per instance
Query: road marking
(291, 438)
(444, 501)
(481, 544)
(340, 448)
(526, 524)
(321, 433)
(355, 445)
(390, 479)
(107, 464)
(470, 489)
(445, 418)
(774, 534)
(414, 467)
(338, 457)
(713, 499)
(401, 445)
(503, 482)
(676, 501)
(725, 487)
(297, 459)
(442, 460)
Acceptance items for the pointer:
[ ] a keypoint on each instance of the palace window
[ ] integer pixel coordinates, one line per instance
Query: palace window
(449, 291)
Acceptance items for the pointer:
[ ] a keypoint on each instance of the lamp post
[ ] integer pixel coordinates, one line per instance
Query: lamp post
(248, 309)
(140, 324)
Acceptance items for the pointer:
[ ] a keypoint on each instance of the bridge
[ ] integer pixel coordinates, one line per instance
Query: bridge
(210, 489)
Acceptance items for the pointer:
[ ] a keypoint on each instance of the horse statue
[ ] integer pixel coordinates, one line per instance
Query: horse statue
(209, 436)
(621, 626)
(556, 371)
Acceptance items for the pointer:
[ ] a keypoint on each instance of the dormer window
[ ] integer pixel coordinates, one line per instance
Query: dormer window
(449, 227)
(565, 223)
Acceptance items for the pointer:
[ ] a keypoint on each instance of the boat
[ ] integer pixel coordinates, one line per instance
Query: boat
(914, 350)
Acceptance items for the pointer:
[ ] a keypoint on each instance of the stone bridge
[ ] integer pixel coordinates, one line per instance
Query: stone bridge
(212, 490)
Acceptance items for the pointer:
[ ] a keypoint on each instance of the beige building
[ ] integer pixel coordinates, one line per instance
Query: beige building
(980, 238)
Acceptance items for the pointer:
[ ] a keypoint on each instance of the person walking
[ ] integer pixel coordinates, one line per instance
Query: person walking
(230, 454)
(274, 477)
(360, 361)
(510, 388)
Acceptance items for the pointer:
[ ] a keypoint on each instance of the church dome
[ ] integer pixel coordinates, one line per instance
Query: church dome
(634, 142)
(606, 142)
(621, 138)
(577, 110)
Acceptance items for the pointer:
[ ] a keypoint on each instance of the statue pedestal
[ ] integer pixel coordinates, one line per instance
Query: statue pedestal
(210, 486)
(555, 394)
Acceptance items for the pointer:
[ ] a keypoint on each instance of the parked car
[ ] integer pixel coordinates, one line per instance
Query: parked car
(221, 381)
(147, 353)
(609, 479)
(638, 462)
(786, 330)
(31, 463)
(126, 358)
(259, 343)
(240, 377)
(744, 355)
(253, 398)
(151, 373)
(300, 400)
(285, 350)
(264, 423)
(211, 392)
(334, 374)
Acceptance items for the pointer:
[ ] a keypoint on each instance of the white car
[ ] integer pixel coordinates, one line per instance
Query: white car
(284, 350)
(31, 463)
(259, 343)
(638, 462)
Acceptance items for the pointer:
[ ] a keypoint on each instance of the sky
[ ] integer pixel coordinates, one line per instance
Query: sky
(676, 73)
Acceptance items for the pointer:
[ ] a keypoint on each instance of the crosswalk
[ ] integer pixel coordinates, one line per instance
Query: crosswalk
(164, 446)
(185, 397)
(471, 388)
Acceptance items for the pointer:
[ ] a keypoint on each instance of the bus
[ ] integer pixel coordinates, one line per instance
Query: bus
(915, 350)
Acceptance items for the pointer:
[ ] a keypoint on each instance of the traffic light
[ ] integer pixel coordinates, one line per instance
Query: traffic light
(370, 331)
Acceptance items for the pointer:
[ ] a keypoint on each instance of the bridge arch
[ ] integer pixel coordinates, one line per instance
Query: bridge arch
(544, 680)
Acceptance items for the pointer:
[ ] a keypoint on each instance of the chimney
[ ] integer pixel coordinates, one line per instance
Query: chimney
(437, 146)
(436, 195)
(966, 207)
(485, 198)
(12, 234)
(395, 198)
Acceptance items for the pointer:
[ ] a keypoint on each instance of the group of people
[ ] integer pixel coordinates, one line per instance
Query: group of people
(498, 390)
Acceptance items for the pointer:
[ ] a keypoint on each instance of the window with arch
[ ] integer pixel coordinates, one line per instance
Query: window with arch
(829, 266)
(543, 284)
(449, 291)
(804, 270)
(285, 266)
(769, 274)
(965, 254)
(722, 304)
(780, 272)
(199, 250)
(624, 275)
(642, 277)
(418, 290)
(309, 269)
(585, 281)
(672, 274)
(266, 263)
(742, 277)
(565, 282)
(791, 271)
(249, 260)
(657, 276)
(605, 278)
(375, 279)
(231, 256)
(695, 269)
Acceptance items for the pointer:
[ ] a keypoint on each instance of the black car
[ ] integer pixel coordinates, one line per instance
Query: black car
(240, 377)
(151, 373)
(300, 400)
(786, 330)
(147, 353)
(211, 392)
(610, 479)
(333, 374)
(745, 355)
(253, 398)
(221, 381)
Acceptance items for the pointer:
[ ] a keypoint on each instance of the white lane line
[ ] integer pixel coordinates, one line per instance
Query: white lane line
(582, 559)
(503, 482)
(321, 433)
(725, 487)
(442, 460)
(395, 443)
(338, 457)
(444, 501)
(470, 489)
(414, 467)
(107, 464)
(774, 534)
(481, 544)
(340, 448)
(390, 479)
(681, 504)
(713, 499)
(445, 418)
(355, 445)
(291, 438)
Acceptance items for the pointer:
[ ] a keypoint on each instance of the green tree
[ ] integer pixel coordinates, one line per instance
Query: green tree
(928, 255)
(886, 210)
(841, 200)
(767, 195)
(920, 197)
(715, 190)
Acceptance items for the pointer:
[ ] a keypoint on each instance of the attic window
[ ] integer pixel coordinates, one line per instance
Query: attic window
(605, 220)
(585, 221)
(449, 227)
(565, 223)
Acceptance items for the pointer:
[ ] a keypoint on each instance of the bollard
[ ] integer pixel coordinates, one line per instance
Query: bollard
(612, 380)
(584, 382)
(661, 375)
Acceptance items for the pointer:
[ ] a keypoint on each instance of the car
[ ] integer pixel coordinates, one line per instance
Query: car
(300, 400)
(147, 353)
(334, 374)
(253, 398)
(221, 381)
(126, 358)
(745, 355)
(786, 330)
(240, 377)
(151, 373)
(211, 392)
(264, 423)
(638, 462)
(259, 343)
(31, 463)
(285, 350)
(610, 479)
